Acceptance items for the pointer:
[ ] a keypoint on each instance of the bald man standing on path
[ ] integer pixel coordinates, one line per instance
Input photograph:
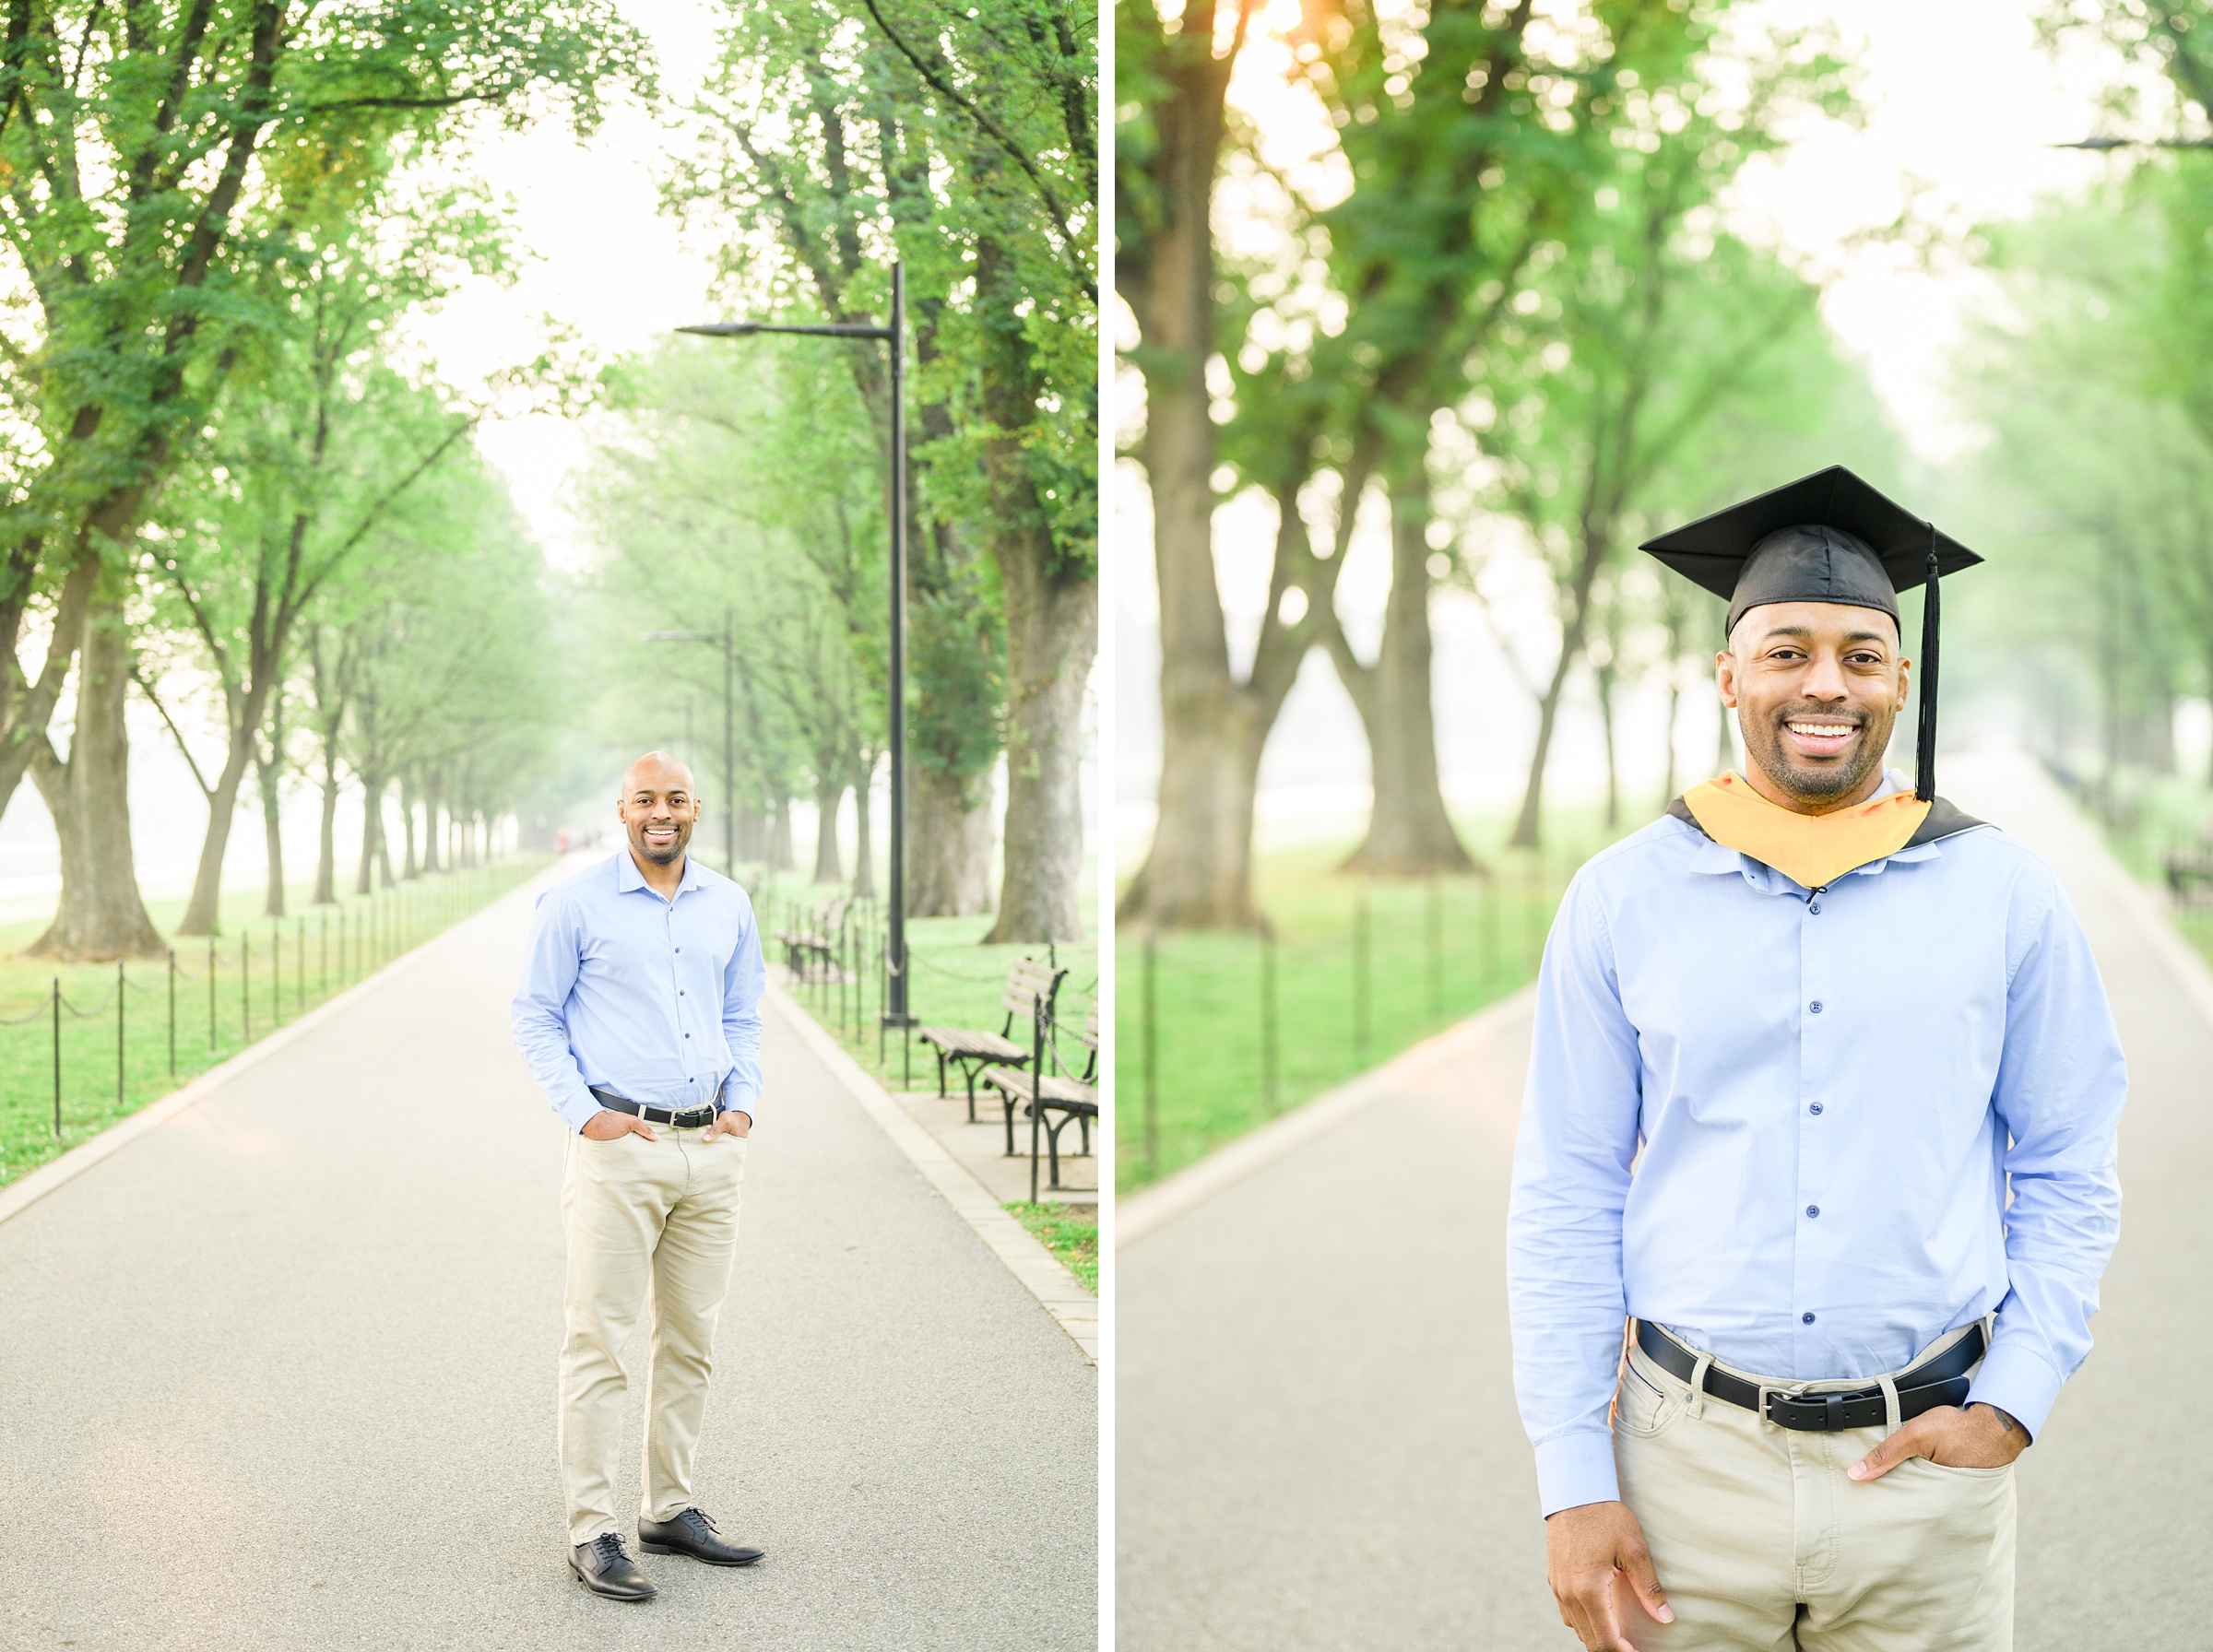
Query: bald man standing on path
(640, 1017)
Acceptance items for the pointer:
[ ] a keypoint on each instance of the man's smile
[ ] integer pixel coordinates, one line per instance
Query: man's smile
(1820, 737)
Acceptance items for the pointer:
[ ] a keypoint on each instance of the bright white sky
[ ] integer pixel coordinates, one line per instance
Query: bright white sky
(604, 261)
(1963, 107)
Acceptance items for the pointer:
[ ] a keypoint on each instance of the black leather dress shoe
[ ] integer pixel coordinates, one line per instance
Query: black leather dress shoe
(692, 1533)
(602, 1567)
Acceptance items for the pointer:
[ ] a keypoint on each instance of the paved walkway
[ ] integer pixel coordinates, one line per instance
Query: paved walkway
(280, 1375)
(1317, 1444)
(981, 1147)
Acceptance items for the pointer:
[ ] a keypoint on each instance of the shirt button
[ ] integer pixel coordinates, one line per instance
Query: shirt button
(1815, 1006)
(1815, 907)
(1812, 1209)
(1807, 1318)
(1815, 1109)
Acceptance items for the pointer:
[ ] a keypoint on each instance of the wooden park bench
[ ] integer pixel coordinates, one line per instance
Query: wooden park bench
(811, 954)
(1073, 1099)
(2190, 875)
(973, 1050)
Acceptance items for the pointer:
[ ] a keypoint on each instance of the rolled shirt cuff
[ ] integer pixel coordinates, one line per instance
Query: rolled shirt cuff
(2018, 1381)
(1574, 1469)
(577, 1111)
(733, 1100)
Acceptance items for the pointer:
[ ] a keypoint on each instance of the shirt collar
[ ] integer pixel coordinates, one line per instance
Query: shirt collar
(628, 877)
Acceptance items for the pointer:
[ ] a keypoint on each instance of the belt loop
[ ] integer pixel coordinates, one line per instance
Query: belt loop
(1697, 1385)
(1891, 1416)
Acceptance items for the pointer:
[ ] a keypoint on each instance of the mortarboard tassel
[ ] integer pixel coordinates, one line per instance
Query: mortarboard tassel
(1924, 753)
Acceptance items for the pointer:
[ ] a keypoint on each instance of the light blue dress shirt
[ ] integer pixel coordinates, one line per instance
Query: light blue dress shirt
(1782, 1123)
(658, 1000)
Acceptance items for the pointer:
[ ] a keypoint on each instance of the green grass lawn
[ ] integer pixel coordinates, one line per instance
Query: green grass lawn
(264, 975)
(1072, 1234)
(1217, 1033)
(955, 981)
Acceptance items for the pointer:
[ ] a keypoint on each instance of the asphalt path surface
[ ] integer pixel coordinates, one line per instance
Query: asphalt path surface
(1316, 1445)
(281, 1373)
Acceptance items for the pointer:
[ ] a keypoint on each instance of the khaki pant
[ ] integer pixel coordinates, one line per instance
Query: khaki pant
(1762, 1540)
(645, 1221)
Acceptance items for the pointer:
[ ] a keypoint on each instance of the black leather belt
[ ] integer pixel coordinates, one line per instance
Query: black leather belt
(690, 1119)
(1942, 1380)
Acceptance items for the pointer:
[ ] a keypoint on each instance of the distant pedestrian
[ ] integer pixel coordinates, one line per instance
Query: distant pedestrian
(640, 1006)
(1819, 1131)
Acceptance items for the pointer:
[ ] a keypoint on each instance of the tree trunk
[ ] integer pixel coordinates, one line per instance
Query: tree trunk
(864, 834)
(272, 836)
(1597, 541)
(202, 910)
(1606, 718)
(434, 798)
(949, 849)
(1052, 637)
(1409, 833)
(827, 866)
(373, 834)
(408, 869)
(1199, 871)
(326, 833)
(1674, 713)
(753, 827)
(780, 858)
(100, 916)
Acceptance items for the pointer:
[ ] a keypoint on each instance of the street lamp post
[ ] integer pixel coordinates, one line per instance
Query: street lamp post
(729, 724)
(896, 1010)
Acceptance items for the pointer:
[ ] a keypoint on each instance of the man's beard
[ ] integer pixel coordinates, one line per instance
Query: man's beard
(664, 856)
(1825, 784)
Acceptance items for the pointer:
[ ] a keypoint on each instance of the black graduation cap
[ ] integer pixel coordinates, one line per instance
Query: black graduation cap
(1824, 538)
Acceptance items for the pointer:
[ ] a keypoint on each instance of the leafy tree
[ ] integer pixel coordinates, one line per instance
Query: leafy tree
(749, 485)
(313, 453)
(959, 139)
(158, 159)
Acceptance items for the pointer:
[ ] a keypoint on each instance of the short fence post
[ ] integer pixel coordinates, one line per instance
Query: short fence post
(211, 995)
(1487, 894)
(1037, 1086)
(57, 1057)
(173, 1012)
(1532, 887)
(1360, 981)
(245, 985)
(1436, 949)
(119, 986)
(1270, 1061)
(1151, 1041)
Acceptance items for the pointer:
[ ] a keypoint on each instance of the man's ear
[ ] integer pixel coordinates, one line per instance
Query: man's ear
(1724, 676)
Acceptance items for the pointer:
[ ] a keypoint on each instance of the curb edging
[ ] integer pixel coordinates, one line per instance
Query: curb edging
(1073, 1309)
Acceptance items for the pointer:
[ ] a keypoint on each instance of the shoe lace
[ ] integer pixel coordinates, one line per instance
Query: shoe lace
(608, 1547)
(700, 1518)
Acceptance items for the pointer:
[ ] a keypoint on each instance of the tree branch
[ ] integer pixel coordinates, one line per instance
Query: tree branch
(175, 733)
